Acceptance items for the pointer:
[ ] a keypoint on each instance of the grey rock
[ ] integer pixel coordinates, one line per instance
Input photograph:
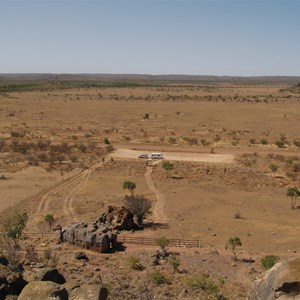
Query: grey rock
(44, 290)
(280, 282)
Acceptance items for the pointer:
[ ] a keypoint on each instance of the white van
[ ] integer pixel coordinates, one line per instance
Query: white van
(157, 156)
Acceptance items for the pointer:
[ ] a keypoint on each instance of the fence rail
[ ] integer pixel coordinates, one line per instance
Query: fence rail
(152, 241)
(123, 239)
(36, 234)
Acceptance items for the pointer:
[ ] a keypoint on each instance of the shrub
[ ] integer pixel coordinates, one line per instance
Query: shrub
(135, 264)
(238, 215)
(16, 134)
(158, 278)
(191, 141)
(217, 138)
(168, 166)
(264, 141)
(162, 242)
(106, 141)
(174, 262)
(33, 160)
(269, 261)
(43, 144)
(146, 116)
(82, 147)
(296, 167)
(252, 141)
(2, 145)
(204, 142)
(172, 140)
(43, 157)
(280, 144)
(296, 143)
(273, 168)
(203, 282)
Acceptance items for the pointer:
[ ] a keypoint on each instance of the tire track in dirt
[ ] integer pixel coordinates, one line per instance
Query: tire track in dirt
(158, 212)
(68, 208)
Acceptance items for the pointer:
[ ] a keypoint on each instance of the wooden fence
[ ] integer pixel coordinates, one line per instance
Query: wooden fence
(152, 241)
(122, 239)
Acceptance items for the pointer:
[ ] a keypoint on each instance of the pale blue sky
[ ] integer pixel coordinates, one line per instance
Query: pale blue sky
(245, 38)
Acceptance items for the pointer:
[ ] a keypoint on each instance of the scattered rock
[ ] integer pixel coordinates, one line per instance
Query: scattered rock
(248, 260)
(183, 294)
(4, 261)
(38, 265)
(43, 274)
(44, 290)
(81, 256)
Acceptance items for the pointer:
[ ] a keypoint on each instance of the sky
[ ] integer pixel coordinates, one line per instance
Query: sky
(225, 37)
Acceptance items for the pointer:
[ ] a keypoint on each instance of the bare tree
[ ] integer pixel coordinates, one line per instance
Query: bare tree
(138, 206)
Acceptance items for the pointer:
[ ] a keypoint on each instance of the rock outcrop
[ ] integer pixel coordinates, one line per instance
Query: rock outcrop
(11, 283)
(44, 290)
(93, 236)
(280, 282)
(118, 218)
(43, 274)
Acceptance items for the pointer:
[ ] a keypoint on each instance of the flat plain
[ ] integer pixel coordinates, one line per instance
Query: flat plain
(68, 151)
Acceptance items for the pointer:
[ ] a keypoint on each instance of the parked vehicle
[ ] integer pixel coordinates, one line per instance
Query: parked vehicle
(143, 156)
(157, 156)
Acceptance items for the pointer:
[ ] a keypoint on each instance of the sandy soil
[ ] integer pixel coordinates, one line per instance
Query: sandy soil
(186, 156)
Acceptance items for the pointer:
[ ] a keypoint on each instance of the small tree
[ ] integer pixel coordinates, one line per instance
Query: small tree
(139, 206)
(232, 243)
(162, 242)
(174, 262)
(273, 168)
(293, 193)
(49, 218)
(14, 226)
(129, 185)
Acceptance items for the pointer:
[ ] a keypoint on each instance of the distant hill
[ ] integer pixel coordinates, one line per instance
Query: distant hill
(13, 78)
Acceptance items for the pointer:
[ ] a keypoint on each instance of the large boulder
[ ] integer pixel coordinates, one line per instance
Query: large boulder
(119, 218)
(92, 236)
(280, 282)
(44, 290)
(43, 274)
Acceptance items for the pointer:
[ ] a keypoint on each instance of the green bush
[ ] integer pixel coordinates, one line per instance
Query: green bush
(203, 282)
(269, 261)
(158, 278)
(168, 166)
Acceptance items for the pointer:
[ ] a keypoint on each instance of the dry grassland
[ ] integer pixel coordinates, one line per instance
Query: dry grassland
(258, 124)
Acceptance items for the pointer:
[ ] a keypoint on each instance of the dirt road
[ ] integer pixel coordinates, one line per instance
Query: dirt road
(158, 212)
(179, 156)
